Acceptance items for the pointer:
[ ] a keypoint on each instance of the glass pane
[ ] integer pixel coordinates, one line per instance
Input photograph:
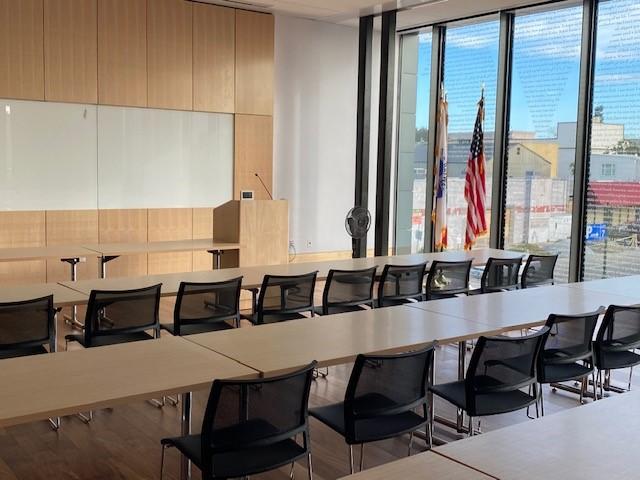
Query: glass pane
(613, 191)
(415, 78)
(542, 133)
(471, 60)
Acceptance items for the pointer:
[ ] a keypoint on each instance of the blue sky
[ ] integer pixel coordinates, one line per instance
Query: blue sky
(546, 67)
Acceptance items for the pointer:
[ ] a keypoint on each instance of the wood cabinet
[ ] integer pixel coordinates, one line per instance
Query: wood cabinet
(253, 154)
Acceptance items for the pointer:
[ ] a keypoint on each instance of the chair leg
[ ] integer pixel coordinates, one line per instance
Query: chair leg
(537, 390)
(470, 426)
(630, 375)
(351, 459)
(164, 448)
(595, 385)
(361, 456)
(292, 474)
(86, 418)
(173, 401)
(309, 466)
(600, 376)
(410, 444)
(55, 423)
(541, 402)
(430, 434)
(583, 385)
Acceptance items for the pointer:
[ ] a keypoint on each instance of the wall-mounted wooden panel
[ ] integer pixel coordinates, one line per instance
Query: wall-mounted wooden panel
(254, 63)
(22, 229)
(71, 50)
(169, 54)
(122, 52)
(202, 228)
(253, 154)
(71, 227)
(21, 49)
(213, 58)
(124, 226)
(170, 224)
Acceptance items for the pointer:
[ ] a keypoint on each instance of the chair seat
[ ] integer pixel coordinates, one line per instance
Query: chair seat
(370, 429)
(388, 302)
(274, 318)
(22, 352)
(242, 462)
(486, 404)
(614, 360)
(562, 372)
(197, 327)
(103, 340)
(340, 309)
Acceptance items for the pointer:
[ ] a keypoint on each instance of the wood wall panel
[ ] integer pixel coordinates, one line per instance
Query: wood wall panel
(213, 58)
(122, 52)
(22, 229)
(71, 50)
(21, 49)
(170, 224)
(169, 54)
(254, 62)
(71, 227)
(253, 154)
(202, 228)
(124, 226)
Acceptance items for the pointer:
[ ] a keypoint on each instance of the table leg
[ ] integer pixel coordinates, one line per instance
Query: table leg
(73, 319)
(185, 463)
(102, 264)
(462, 352)
(216, 258)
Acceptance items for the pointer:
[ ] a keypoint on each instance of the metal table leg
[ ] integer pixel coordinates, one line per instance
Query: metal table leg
(102, 261)
(73, 319)
(185, 463)
(217, 258)
(462, 353)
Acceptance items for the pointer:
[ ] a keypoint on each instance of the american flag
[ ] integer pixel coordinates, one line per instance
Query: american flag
(474, 187)
(439, 213)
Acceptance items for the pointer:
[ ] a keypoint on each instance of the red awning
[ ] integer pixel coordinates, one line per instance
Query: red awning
(614, 194)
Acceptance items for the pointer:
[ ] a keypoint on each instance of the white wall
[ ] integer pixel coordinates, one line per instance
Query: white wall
(316, 71)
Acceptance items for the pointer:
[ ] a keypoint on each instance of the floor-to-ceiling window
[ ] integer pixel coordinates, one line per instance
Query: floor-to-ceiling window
(413, 116)
(471, 62)
(542, 132)
(613, 189)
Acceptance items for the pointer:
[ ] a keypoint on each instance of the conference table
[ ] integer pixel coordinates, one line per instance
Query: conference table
(593, 441)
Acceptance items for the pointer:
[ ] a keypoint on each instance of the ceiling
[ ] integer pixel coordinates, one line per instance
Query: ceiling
(419, 12)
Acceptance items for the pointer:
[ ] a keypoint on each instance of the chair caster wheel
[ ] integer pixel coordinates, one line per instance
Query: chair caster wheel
(554, 390)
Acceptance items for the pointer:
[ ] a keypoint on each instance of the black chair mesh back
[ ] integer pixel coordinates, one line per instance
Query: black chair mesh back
(286, 293)
(245, 413)
(539, 270)
(500, 274)
(348, 287)
(502, 364)
(117, 312)
(448, 278)
(386, 385)
(198, 303)
(620, 331)
(570, 339)
(400, 283)
(28, 323)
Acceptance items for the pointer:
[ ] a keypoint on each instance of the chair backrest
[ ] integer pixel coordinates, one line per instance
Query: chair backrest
(500, 274)
(241, 414)
(120, 312)
(382, 385)
(282, 294)
(619, 331)
(448, 278)
(400, 283)
(502, 364)
(27, 324)
(199, 303)
(345, 288)
(538, 270)
(570, 339)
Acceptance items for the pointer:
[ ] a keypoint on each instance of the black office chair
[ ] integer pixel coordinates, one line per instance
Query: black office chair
(120, 316)
(28, 327)
(499, 275)
(616, 342)
(447, 279)
(500, 367)
(283, 297)
(250, 426)
(206, 307)
(400, 284)
(386, 397)
(347, 291)
(538, 270)
(567, 354)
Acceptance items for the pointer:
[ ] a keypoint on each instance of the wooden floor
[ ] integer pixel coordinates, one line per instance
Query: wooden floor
(123, 443)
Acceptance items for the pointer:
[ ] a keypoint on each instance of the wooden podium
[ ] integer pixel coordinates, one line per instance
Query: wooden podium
(261, 227)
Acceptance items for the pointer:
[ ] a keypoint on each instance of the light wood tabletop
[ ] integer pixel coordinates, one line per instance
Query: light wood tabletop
(625, 286)
(14, 254)
(337, 339)
(420, 467)
(108, 249)
(594, 441)
(63, 383)
(62, 296)
(522, 308)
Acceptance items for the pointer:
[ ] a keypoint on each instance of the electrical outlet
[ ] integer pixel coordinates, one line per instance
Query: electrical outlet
(308, 243)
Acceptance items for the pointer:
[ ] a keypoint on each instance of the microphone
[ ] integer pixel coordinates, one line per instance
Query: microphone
(264, 186)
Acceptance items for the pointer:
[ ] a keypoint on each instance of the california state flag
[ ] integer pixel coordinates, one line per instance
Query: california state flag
(439, 214)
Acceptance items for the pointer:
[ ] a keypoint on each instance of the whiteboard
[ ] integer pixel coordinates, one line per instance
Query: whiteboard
(149, 158)
(47, 156)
